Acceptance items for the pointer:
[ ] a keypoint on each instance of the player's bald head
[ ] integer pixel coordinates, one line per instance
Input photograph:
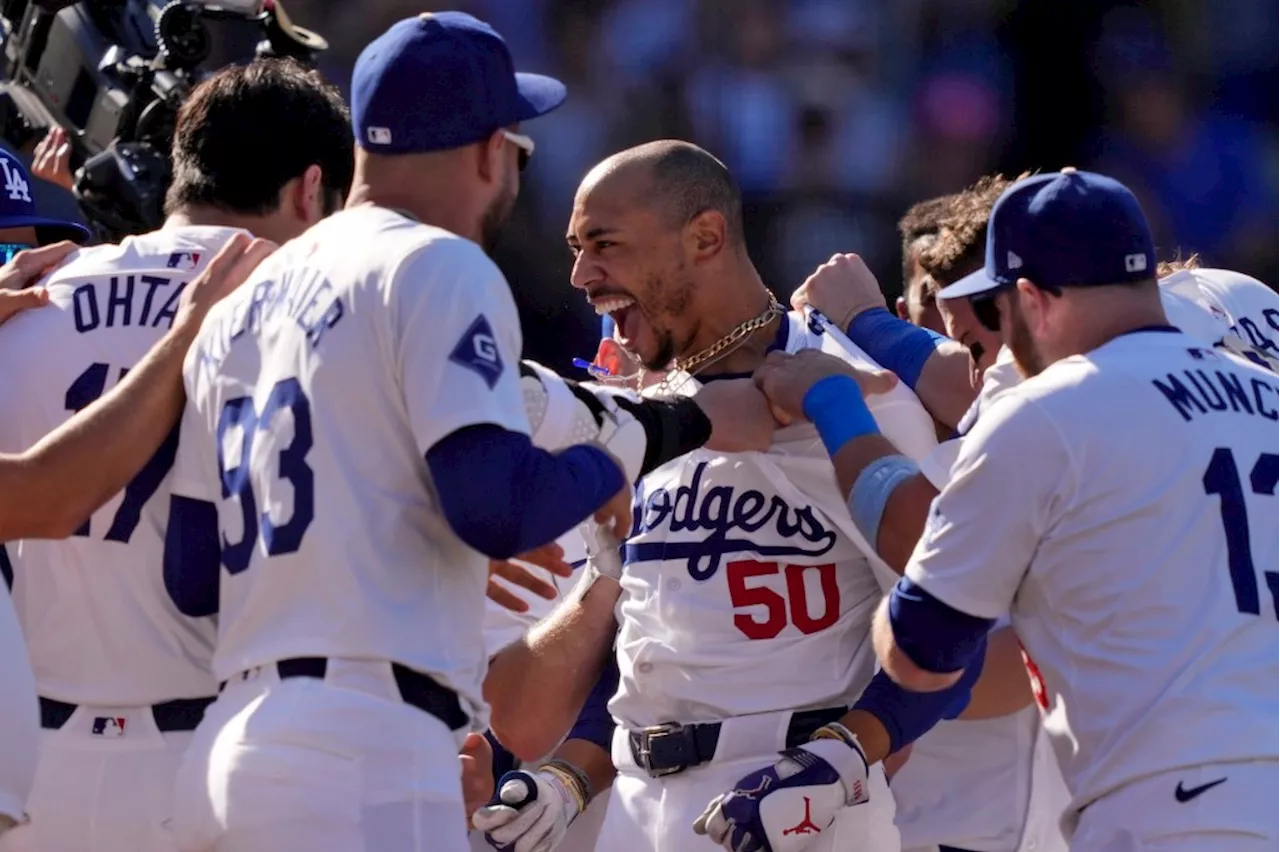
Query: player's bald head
(675, 180)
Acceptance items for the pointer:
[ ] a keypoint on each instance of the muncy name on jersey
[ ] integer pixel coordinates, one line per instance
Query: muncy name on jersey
(736, 520)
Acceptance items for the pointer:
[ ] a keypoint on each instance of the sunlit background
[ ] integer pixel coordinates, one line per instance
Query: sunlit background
(837, 115)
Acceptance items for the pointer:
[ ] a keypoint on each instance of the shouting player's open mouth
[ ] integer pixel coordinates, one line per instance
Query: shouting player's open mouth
(629, 319)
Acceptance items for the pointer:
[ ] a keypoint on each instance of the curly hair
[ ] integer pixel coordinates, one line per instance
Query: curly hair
(1179, 264)
(923, 220)
(962, 235)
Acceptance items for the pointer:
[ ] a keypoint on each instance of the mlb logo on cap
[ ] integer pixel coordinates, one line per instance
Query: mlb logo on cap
(18, 208)
(109, 726)
(1065, 229)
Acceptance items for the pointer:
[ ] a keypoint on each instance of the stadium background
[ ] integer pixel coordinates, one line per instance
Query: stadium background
(837, 115)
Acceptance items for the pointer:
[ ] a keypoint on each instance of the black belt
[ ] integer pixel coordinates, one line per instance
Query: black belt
(416, 689)
(182, 714)
(671, 748)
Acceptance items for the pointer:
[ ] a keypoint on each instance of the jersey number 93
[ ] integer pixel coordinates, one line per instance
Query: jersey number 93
(240, 419)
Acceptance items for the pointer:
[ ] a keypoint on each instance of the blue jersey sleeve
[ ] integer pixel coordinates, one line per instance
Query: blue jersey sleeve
(503, 496)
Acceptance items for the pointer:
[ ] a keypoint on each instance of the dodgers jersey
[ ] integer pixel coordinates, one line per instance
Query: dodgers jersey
(314, 392)
(747, 587)
(1121, 506)
(1248, 308)
(99, 623)
(999, 762)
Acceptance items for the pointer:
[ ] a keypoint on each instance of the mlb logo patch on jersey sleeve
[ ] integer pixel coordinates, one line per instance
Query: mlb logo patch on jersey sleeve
(478, 351)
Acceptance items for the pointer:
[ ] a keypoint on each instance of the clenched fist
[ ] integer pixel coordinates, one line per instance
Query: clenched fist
(841, 288)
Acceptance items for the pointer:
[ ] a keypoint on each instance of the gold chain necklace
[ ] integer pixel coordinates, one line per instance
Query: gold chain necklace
(689, 366)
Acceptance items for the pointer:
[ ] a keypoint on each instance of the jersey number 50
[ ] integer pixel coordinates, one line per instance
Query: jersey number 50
(1223, 478)
(779, 610)
(239, 414)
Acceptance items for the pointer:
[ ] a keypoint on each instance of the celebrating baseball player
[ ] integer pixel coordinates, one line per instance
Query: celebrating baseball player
(356, 433)
(717, 645)
(1180, 626)
(123, 676)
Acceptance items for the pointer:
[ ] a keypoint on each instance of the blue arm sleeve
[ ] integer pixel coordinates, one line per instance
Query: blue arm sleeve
(502, 495)
(594, 722)
(934, 636)
(908, 716)
(894, 343)
(192, 556)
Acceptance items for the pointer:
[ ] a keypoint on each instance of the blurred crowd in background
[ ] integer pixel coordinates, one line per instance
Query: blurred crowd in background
(837, 115)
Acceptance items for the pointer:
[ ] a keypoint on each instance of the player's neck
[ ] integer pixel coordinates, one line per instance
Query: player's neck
(1098, 325)
(266, 227)
(745, 298)
(439, 210)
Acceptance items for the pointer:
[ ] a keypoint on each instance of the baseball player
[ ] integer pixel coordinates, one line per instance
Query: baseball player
(123, 677)
(1171, 627)
(356, 427)
(739, 627)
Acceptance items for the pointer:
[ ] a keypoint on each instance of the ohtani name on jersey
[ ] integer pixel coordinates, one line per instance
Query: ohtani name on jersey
(304, 296)
(125, 300)
(723, 510)
(1197, 392)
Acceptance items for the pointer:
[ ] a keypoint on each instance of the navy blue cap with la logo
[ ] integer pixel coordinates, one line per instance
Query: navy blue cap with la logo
(1065, 229)
(18, 207)
(438, 81)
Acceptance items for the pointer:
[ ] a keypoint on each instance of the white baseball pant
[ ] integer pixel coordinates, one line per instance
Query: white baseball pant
(657, 814)
(1151, 815)
(104, 783)
(308, 765)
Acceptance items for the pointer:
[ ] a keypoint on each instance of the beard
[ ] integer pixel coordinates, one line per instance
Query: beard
(496, 216)
(1026, 355)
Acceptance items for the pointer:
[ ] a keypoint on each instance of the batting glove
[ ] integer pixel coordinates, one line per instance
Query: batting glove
(532, 810)
(787, 806)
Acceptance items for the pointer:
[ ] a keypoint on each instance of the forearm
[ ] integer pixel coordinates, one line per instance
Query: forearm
(922, 643)
(906, 507)
(1004, 687)
(944, 387)
(592, 759)
(537, 686)
(503, 496)
(50, 489)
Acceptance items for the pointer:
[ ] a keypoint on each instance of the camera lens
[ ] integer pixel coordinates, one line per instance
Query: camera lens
(183, 39)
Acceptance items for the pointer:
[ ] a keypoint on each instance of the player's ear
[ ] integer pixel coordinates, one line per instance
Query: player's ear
(901, 307)
(705, 235)
(489, 154)
(308, 195)
(1034, 303)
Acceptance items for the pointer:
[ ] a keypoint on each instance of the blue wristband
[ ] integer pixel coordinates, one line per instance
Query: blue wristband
(893, 343)
(836, 407)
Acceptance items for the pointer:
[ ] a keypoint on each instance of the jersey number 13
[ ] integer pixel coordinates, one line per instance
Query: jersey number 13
(1223, 478)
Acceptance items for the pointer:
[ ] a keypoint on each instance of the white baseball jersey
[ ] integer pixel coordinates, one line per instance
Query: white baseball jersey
(20, 736)
(314, 392)
(1249, 309)
(99, 623)
(747, 587)
(1121, 506)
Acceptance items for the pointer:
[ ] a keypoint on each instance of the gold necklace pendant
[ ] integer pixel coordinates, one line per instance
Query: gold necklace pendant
(689, 366)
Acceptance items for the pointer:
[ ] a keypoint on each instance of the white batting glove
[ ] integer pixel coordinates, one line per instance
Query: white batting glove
(786, 807)
(533, 810)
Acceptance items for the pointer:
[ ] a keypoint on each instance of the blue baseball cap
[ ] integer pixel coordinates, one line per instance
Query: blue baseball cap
(1064, 229)
(439, 81)
(18, 208)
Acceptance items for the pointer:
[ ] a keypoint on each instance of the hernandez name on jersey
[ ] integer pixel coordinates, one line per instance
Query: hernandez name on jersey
(747, 587)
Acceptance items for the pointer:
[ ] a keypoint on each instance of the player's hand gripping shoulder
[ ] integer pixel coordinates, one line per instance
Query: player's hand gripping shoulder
(739, 413)
(785, 379)
(230, 268)
(27, 267)
(532, 810)
(786, 806)
(841, 288)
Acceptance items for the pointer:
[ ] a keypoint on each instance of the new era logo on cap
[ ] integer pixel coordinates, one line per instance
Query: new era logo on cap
(1014, 262)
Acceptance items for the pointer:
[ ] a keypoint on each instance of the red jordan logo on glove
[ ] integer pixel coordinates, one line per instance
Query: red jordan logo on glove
(806, 825)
